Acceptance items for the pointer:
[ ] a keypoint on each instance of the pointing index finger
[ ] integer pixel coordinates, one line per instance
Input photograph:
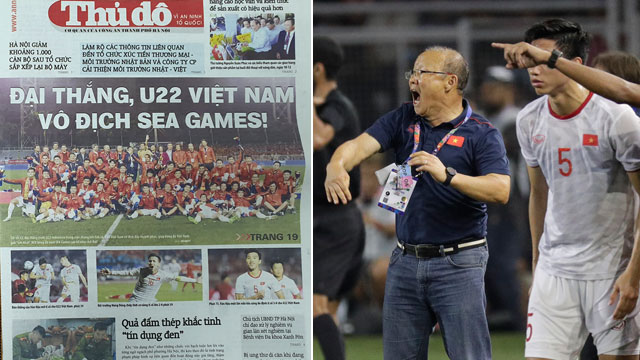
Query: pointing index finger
(499, 45)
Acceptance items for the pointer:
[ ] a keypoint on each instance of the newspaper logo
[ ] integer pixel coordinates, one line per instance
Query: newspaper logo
(127, 13)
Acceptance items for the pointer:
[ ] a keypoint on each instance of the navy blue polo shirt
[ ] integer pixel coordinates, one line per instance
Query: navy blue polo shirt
(438, 214)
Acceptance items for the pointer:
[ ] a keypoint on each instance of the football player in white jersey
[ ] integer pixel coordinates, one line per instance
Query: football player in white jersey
(174, 268)
(286, 284)
(43, 274)
(71, 275)
(150, 279)
(583, 158)
(256, 284)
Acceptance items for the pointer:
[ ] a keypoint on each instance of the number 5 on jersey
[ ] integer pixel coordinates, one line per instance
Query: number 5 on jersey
(564, 160)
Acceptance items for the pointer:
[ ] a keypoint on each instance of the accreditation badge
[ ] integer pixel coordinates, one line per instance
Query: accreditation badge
(397, 192)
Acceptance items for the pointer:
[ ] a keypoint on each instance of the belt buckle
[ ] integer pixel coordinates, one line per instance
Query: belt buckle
(428, 249)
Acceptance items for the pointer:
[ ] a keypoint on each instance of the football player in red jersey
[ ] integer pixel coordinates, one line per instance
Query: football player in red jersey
(274, 174)
(74, 205)
(273, 200)
(243, 208)
(54, 211)
(167, 199)
(288, 188)
(148, 205)
(205, 209)
(27, 198)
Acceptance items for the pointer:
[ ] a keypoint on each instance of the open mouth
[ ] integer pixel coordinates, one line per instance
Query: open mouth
(415, 96)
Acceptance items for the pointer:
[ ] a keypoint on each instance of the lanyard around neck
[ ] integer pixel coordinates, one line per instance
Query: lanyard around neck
(416, 133)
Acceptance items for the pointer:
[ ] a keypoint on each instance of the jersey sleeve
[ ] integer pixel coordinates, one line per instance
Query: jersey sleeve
(523, 132)
(294, 289)
(490, 154)
(332, 115)
(131, 272)
(625, 138)
(240, 284)
(168, 276)
(272, 283)
(386, 128)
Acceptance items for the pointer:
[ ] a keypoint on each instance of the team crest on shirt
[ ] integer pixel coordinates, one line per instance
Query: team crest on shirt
(538, 139)
(619, 326)
(262, 283)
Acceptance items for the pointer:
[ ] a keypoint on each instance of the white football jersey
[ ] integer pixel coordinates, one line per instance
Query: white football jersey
(71, 274)
(47, 272)
(249, 285)
(148, 283)
(288, 287)
(584, 156)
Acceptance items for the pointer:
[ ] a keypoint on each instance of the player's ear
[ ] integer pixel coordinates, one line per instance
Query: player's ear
(318, 68)
(578, 60)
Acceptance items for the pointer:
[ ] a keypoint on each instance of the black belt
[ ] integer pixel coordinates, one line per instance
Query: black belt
(425, 251)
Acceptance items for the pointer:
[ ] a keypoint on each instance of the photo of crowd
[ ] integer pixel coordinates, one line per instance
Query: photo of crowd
(63, 184)
(255, 274)
(253, 37)
(49, 276)
(149, 276)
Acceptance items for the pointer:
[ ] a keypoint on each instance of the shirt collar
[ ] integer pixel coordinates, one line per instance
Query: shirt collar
(455, 122)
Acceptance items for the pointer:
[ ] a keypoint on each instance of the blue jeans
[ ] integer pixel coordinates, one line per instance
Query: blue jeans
(447, 290)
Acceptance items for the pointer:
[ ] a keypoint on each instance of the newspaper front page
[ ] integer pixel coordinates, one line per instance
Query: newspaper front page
(154, 188)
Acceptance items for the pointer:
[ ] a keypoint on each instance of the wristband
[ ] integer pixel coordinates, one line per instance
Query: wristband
(555, 54)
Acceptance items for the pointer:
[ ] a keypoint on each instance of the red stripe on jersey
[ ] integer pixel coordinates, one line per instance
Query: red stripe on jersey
(589, 140)
(481, 122)
(574, 113)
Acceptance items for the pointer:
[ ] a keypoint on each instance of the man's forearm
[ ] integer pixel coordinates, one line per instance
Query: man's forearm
(353, 152)
(537, 212)
(601, 82)
(493, 188)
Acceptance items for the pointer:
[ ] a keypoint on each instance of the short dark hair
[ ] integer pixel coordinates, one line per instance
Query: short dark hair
(42, 260)
(328, 53)
(100, 326)
(40, 330)
(277, 261)
(568, 35)
(249, 251)
(621, 64)
(154, 255)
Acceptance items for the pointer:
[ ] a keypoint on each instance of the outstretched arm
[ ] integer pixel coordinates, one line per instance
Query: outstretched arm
(345, 158)
(187, 279)
(525, 55)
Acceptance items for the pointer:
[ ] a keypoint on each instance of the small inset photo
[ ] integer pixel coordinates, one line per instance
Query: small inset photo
(149, 276)
(64, 339)
(253, 36)
(49, 276)
(255, 274)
